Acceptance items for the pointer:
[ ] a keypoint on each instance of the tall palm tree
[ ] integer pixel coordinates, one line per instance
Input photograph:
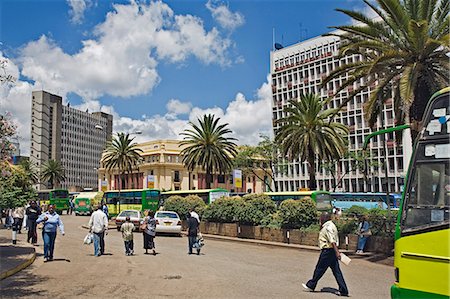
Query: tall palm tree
(307, 132)
(53, 172)
(30, 169)
(404, 52)
(208, 147)
(121, 153)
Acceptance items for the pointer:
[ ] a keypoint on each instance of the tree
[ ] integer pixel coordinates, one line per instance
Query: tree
(7, 130)
(208, 147)
(307, 132)
(30, 169)
(15, 187)
(122, 154)
(53, 172)
(404, 52)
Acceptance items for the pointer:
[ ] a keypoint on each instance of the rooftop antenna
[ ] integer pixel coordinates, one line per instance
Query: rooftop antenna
(302, 30)
(273, 38)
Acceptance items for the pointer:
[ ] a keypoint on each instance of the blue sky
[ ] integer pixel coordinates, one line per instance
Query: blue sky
(154, 65)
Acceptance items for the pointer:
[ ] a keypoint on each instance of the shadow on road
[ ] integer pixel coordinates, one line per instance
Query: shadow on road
(21, 285)
(329, 290)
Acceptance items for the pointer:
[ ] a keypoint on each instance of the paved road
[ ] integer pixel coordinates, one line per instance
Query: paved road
(223, 270)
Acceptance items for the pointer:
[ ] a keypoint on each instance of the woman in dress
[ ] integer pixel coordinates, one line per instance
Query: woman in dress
(149, 231)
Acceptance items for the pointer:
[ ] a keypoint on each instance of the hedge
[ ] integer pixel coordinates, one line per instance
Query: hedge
(224, 209)
(298, 213)
(181, 205)
(255, 209)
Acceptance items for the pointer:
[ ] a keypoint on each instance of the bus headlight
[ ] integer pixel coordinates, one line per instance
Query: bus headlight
(397, 275)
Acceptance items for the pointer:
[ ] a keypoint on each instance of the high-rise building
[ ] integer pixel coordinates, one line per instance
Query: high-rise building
(300, 69)
(74, 138)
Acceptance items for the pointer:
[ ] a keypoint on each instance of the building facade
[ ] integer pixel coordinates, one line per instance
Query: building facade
(74, 138)
(300, 69)
(162, 168)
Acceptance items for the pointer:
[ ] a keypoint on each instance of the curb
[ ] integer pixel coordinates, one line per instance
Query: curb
(20, 267)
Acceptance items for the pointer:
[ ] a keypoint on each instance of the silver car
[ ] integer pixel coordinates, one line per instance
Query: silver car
(135, 218)
(168, 222)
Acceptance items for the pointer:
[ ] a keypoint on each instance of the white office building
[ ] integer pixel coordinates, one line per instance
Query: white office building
(300, 68)
(73, 137)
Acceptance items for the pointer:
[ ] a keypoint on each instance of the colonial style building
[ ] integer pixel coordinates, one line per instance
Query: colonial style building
(300, 69)
(162, 168)
(74, 138)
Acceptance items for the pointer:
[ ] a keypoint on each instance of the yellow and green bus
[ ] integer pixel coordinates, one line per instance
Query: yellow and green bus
(422, 236)
(321, 198)
(208, 195)
(57, 197)
(131, 199)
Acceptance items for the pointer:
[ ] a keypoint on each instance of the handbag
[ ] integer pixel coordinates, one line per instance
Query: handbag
(367, 233)
(143, 225)
(88, 239)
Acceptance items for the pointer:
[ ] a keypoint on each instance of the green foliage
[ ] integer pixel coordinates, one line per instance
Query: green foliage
(356, 211)
(298, 213)
(15, 187)
(224, 209)
(272, 221)
(181, 205)
(313, 228)
(53, 172)
(382, 222)
(346, 226)
(256, 207)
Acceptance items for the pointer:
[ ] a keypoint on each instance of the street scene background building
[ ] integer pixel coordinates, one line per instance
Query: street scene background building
(74, 138)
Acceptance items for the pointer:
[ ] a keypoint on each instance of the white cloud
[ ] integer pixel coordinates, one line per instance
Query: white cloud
(226, 18)
(77, 8)
(177, 107)
(122, 57)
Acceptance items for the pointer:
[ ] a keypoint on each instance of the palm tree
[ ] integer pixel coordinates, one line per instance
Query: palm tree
(122, 154)
(208, 147)
(404, 52)
(30, 170)
(307, 132)
(53, 172)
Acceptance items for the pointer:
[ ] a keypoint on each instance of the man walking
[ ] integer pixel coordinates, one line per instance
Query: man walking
(51, 222)
(98, 225)
(329, 256)
(192, 224)
(32, 212)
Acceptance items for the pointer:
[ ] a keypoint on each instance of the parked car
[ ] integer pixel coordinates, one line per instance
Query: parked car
(168, 222)
(135, 216)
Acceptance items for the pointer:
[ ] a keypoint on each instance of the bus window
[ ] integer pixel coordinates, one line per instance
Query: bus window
(428, 201)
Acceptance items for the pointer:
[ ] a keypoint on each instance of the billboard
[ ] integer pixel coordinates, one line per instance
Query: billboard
(237, 178)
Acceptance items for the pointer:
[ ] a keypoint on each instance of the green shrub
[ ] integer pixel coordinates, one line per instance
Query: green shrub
(313, 228)
(181, 205)
(356, 211)
(255, 208)
(382, 222)
(298, 213)
(346, 226)
(271, 221)
(224, 209)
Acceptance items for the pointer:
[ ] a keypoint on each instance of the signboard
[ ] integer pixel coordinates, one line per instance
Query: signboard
(216, 195)
(150, 181)
(104, 186)
(237, 178)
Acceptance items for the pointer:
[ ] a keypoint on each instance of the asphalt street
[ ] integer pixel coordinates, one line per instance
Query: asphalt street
(223, 270)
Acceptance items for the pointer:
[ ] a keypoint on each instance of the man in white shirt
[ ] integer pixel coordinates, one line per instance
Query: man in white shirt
(329, 256)
(194, 214)
(98, 225)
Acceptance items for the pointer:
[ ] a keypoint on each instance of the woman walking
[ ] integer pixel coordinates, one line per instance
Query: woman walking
(149, 231)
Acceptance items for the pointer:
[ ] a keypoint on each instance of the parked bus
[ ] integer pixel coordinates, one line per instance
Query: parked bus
(57, 197)
(208, 195)
(422, 236)
(369, 200)
(321, 198)
(84, 203)
(131, 199)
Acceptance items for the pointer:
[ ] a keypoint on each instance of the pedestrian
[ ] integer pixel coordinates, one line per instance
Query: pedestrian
(8, 219)
(18, 214)
(127, 235)
(98, 225)
(105, 209)
(192, 224)
(32, 212)
(363, 233)
(52, 221)
(194, 214)
(149, 231)
(329, 256)
(71, 206)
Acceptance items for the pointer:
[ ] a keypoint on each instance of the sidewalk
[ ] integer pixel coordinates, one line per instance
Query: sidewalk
(14, 257)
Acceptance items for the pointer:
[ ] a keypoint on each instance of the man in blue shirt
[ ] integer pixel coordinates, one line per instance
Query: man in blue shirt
(105, 209)
(51, 222)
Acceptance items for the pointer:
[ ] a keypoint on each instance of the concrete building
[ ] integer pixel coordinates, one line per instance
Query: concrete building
(74, 138)
(162, 168)
(300, 68)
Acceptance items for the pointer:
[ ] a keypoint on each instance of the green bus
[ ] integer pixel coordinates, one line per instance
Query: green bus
(207, 195)
(57, 197)
(131, 199)
(422, 235)
(84, 203)
(321, 198)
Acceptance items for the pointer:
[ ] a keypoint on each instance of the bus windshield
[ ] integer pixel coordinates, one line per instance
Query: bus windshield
(60, 194)
(427, 202)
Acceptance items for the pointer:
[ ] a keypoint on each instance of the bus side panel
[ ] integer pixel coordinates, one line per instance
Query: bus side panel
(419, 272)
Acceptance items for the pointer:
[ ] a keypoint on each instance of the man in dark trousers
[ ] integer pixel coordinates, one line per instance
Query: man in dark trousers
(192, 224)
(32, 212)
(329, 256)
